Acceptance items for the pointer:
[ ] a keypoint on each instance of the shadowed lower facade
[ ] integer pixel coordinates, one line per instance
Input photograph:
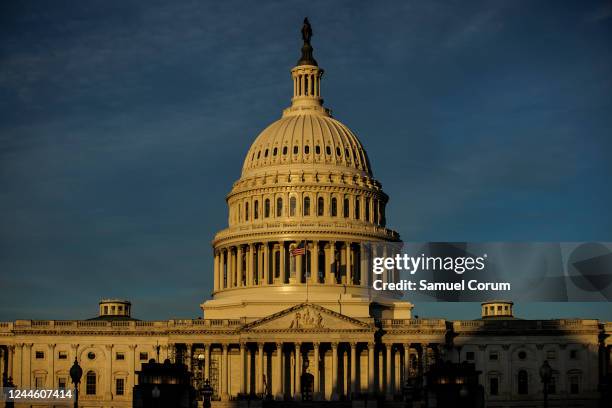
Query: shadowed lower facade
(292, 315)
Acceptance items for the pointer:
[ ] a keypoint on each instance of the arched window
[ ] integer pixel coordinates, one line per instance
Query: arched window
(334, 207)
(345, 207)
(284, 150)
(306, 205)
(295, 150)
(306, 149)
(320, 206)
(523, 382)
(239, 212)
(275, 151)
(279, 207)
(267, 208)
(246, 211)
(367, 209)
(357, 208)
(292, 205)
(90, 383)
(318, 149)
(328, 150)
(256, 210)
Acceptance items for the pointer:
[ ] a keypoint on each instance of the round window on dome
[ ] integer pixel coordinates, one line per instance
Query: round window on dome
(295, 150)
(522, 355)
(284, 150)
(306, 149)
(318, 149)
(275, 151)
(338, 151)
(328, 150)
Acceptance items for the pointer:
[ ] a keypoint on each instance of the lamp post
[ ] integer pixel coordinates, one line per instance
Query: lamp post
(545, 376)
(76, 372)
(207, 393)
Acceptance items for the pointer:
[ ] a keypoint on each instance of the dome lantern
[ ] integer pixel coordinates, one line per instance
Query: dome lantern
(306, 76)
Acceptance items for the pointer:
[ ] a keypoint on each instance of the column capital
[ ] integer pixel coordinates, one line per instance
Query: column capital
(334, 344)
(108, 347)
(132, 347)
(51, 345)
(260, 345)
(353, 344)
(279, 344)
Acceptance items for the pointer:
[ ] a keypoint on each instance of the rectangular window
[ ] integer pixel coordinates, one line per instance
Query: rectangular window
(144, 356)
(574, 354)
(39, 383)
(90, 384)
(40, 354)
(574, 384)
(62, 355)
(61, 383)
(119, 356)
(551, 355)
(469, 356)
(493, 356)
(494, 386)
(119, 386)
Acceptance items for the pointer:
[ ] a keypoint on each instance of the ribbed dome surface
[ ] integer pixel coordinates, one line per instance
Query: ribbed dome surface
(303, 139)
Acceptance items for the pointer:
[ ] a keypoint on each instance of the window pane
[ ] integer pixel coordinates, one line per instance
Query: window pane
(306, 205)
(279, 207)
(90, 388)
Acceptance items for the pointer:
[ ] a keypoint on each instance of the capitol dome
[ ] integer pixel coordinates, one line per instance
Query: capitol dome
(302, 217)
(311, 138)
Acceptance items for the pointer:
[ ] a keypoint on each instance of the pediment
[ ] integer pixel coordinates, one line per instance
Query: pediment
(306, 317)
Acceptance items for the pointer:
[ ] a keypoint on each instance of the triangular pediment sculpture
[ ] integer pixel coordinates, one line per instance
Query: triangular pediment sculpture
(306, 317)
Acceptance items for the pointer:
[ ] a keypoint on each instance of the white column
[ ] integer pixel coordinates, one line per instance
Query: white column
(279, 371)
(216, 272)
(109, 371)
(249, 266)
(283, 270)
(298, 370)
(349, 266)
(239, 265)
(353, 369)
(27, 365)
(315, 371)
(242, 371)
(388, 347)
(371, 369)
(224, 373)
(207, 348)
(260, 368)
(314, 262)
(334, 347)
(266, 263)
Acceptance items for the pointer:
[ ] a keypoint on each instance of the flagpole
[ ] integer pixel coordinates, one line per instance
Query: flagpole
(307, 277)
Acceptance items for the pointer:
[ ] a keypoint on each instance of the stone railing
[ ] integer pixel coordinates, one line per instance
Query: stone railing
(517, 324)
(408, 323)
(133, 325)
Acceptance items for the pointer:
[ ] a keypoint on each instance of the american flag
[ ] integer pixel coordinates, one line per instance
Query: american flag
(299, 250)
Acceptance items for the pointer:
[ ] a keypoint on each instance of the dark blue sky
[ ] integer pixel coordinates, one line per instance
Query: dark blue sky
(124, 124)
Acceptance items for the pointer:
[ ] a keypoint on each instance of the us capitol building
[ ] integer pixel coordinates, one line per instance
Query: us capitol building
(291, 297)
